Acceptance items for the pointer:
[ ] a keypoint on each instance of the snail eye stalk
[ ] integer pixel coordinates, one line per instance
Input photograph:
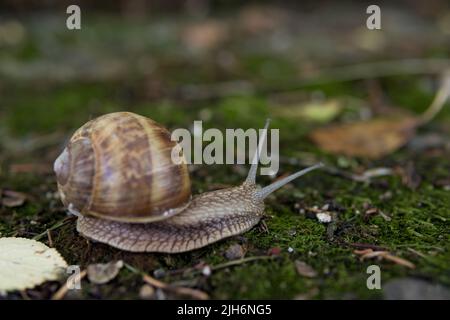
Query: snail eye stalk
(251, 177)
(264, 192)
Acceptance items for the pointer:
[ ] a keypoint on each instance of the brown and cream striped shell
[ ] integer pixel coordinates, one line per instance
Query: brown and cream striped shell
(119, 167)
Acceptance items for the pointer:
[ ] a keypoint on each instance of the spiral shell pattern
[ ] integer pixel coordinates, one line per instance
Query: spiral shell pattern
(119, 167)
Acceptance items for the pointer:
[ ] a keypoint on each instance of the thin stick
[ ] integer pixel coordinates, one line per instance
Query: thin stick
(193, 270)
(367, 246)
(49, 237)
(438, 102)
(237, 262)
(55, 226)
(194, 293)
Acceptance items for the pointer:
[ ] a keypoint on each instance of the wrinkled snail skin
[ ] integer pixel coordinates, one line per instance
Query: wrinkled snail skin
(116, 174)
(210, 217)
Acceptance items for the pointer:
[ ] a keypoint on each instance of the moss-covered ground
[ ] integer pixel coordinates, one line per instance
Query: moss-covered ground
(38, 114)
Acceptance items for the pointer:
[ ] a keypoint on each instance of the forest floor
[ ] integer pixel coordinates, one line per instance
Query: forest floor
(234, 71)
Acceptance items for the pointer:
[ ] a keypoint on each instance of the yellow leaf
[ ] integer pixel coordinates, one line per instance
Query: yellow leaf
(26, 263)
(312, 111)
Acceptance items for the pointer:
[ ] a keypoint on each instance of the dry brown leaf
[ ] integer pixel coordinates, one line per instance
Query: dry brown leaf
(305, 269)
(380, 136)
(101, 273)
(12, 198)
(369, 139)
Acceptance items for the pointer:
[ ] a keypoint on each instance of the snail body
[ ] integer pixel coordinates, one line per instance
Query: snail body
(117, 176)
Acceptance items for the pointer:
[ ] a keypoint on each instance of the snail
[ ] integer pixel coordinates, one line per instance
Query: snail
(117, 176)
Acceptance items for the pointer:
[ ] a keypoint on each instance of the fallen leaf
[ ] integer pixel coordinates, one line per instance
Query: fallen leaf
(12, 198)
(304, 269)
(101, 273)
(369, 139)
(26, 263)
(381, 136)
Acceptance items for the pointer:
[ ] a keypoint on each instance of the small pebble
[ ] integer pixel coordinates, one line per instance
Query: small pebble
(324, 217)
(234, 252)
(147, 292)
(206, 271)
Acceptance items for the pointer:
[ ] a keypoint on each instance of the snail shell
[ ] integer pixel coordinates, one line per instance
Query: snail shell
(119, 167)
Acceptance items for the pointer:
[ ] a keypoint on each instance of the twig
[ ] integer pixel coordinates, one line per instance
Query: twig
(239, 262)
(195, 270)
(439, 100)
(418, 245)
(367, 246)
(369, 254)
(49, 237)
(420, 254)
(60, 294)
(194, 293)
(57, 225)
